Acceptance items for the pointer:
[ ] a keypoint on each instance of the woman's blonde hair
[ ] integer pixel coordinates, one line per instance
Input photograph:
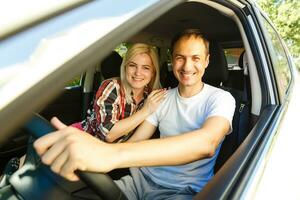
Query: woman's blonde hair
(140, 48)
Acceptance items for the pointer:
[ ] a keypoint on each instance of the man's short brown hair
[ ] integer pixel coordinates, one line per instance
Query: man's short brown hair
(188, 33)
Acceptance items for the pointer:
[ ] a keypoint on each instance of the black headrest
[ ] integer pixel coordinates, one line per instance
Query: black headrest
(217, 70)
(110, 66)
(241, 60)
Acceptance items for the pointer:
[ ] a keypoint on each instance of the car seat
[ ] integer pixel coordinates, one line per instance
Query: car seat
(110, 67)
(167, 78)
(216, 74)
(236, 77)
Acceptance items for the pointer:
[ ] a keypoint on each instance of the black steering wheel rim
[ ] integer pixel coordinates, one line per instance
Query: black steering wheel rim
(100, 183)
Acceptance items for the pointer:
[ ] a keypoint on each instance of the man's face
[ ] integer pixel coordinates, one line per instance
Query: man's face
(189, 61)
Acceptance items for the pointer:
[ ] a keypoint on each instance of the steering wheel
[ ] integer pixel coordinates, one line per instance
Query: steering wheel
(34, 170)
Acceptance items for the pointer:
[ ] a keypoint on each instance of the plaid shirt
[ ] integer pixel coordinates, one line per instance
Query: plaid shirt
(109, 107)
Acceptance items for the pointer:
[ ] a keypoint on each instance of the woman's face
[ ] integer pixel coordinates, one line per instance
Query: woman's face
(139, 71)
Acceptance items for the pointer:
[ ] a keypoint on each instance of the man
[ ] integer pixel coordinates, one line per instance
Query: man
(193, 120)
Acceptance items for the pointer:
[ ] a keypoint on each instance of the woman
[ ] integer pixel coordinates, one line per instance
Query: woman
(121, 104)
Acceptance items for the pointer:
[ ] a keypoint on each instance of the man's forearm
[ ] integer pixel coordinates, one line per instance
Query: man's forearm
(175, 150)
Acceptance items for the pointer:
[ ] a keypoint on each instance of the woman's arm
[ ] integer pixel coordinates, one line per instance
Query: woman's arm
(143, 132)
(128, 124)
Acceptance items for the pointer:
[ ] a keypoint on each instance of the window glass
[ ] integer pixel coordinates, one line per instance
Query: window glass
(279, 59)
(232, 56)
(75, 82)
(122, 48)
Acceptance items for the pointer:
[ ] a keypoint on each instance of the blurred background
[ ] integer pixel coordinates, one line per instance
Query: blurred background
(285, 15)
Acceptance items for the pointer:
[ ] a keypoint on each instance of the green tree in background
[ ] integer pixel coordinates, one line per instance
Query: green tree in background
(285, 15)
(122, 48)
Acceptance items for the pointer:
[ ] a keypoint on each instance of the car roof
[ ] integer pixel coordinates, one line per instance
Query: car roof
(191, 15)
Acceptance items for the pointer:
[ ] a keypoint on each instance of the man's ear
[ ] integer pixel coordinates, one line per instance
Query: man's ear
(207, 60)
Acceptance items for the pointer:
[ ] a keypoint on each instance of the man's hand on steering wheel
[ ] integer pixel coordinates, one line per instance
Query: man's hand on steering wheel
(69, 149)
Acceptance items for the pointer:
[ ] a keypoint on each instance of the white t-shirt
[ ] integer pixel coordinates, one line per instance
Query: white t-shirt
(177, 115)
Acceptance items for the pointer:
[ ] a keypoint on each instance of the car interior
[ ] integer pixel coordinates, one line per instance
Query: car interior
(225, 31)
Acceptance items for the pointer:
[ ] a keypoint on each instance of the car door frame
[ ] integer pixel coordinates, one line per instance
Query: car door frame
(239, 175)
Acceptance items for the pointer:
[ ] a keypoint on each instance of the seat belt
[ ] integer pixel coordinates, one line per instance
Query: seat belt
(244, 108)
